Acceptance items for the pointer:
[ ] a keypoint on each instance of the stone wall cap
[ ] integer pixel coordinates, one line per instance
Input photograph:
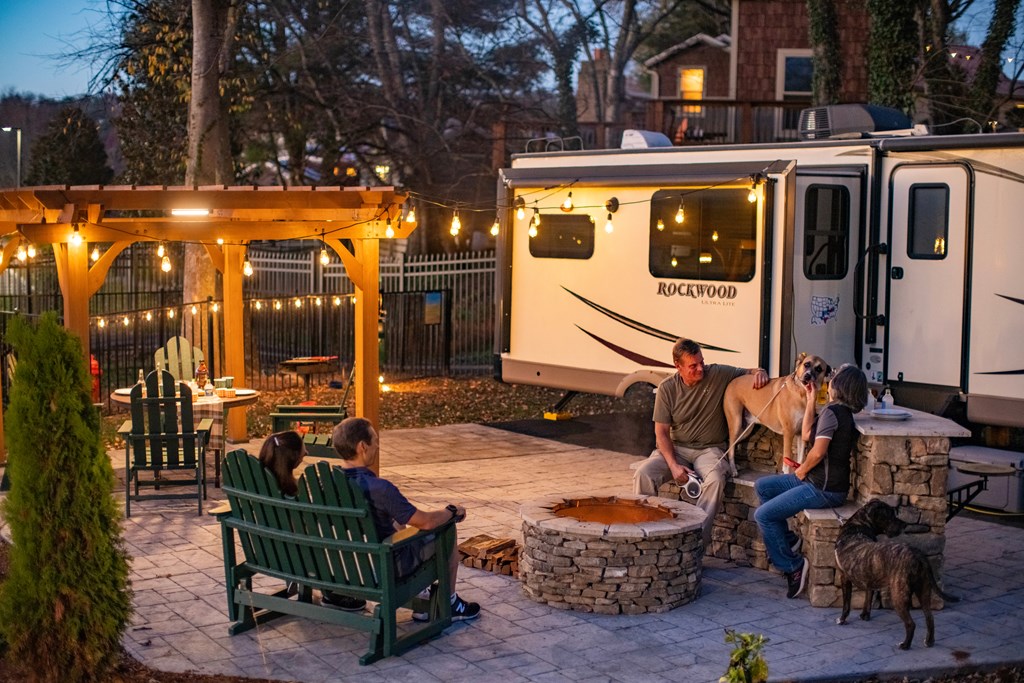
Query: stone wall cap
(918, 424)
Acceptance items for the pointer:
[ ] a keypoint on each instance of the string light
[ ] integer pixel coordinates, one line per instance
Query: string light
(456, 224)
(567, 204)
(170, 313)
(532, 232)
(298, 303)
(660, 225)
(752, 194)
(160, 251)
(247, 268)
(220, 241)
(125, 321)
(318, 301)
(608, 226)
(337, 301)
(31, 250)
(520, 208)
(101, 323)
(194, 309)
(675, 262)
(411, 216)
(149, 316)
(389, 232)
(277, 305)
(165, 264)
(705, 257)
(76, 237)
(494, 227)
(324, 258)
(95, 254)
(21, 253)
(680, 214)
(536, 218)
(714, 236)
(259, 305)
(215, 307)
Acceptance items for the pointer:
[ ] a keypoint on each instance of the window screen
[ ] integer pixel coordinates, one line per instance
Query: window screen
(826, 232)
(563, 236)
(928, 221)
(715, 241)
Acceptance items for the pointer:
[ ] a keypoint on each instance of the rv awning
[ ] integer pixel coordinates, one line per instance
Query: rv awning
(637, 176)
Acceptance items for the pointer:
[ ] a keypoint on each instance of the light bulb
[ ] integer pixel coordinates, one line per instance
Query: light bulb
(705, 257)
(324, 258)
(752, 195)
(608, 227)
(567, 204)
(75, 238)
(337, 301)
(165, 264)
(95, 254)
(520, 208)
(318, 301)
(411, 216)
(389, 232)
(353, 298)
(532, 232)
(31, 251)
(277, 305)
(494, 228)
(22, 254)
(125, 321)
(380, 379)
(536, 218)
(680, 214)
(170, 312)
(160, 251)
(101, 322)
(247, 268)
(661, 225)
(674, 262)
(456, 225)
(149, 316)
(215, 307)
(714, 236)
(195, 309)
(220, 241)
(298, 303)
(259, 305)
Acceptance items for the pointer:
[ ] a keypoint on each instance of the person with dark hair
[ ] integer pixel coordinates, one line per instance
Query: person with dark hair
(821, 481)
(281, 455)
(690, 428)
(356, 442)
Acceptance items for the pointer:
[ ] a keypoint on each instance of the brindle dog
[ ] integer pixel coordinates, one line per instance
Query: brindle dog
(872, 565)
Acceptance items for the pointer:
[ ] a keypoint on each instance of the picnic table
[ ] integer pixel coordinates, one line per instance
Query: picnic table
(305, 366)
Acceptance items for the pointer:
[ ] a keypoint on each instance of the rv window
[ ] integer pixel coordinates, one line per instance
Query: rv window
(826, 232)
(564, 236)
(715, 241)
(928, 221)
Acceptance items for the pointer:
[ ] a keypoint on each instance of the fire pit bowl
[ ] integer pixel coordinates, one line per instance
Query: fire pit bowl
(611, 555)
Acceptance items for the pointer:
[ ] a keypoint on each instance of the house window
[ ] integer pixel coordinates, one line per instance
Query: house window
(563, 236)
(691, 87)
(826, 232)
(928, 221)
(795, 71)
(715, 241)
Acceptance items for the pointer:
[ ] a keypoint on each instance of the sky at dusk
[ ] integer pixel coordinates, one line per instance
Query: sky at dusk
(32, 31)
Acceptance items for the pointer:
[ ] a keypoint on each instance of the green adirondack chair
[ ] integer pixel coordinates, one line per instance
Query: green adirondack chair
(324, 539)
(179, 358)
(161, 437)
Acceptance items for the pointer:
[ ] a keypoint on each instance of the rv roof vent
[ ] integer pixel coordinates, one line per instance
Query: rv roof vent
(850, 120)
(642, 139)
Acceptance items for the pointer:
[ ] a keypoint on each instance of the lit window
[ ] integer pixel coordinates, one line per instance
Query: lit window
(928, 221)
(691, 87)
(564, 236)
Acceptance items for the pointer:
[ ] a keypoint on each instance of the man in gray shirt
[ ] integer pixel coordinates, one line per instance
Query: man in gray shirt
(690, 428)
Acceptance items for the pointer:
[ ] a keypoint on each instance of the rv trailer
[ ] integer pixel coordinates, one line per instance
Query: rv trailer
(900, 253)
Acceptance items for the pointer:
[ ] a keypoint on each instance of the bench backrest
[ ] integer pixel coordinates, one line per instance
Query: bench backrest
(324, 537)
(179, 358)
(163, 432)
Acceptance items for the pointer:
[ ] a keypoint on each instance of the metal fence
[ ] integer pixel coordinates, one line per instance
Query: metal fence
(436, 313)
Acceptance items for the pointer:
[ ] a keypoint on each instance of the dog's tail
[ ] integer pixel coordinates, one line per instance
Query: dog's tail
(948, 597)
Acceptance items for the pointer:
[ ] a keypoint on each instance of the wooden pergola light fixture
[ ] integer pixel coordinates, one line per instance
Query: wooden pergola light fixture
(237, 215)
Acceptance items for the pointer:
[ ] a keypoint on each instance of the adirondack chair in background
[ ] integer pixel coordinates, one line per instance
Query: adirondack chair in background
(179, 358)
(324, 539)
(161, 437)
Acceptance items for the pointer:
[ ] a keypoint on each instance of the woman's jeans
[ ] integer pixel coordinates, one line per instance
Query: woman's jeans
(782, 496)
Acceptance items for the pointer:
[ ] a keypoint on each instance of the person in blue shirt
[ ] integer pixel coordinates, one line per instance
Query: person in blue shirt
(357, 444)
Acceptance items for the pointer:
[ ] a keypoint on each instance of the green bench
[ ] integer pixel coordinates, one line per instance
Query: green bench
(284, 416)
(324, 539)
(319, 445)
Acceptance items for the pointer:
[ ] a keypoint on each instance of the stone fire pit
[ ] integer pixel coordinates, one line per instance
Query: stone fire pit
(611, 555)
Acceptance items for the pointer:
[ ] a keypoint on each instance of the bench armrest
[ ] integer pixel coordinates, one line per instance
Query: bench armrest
(307, 409)
(125, 428)
(410, 534)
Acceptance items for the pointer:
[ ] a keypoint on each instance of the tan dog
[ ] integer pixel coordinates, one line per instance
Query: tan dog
(779, 405)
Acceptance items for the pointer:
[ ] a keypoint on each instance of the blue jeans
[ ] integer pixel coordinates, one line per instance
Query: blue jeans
(782, 496)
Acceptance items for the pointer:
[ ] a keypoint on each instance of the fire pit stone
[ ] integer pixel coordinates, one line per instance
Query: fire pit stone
(612, 555)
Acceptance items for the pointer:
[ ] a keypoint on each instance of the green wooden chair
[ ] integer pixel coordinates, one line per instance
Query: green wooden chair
(161, 437)
(325, 539)
(179, 358)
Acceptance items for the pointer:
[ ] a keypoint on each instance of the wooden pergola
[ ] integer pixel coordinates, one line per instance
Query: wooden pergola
(121, 216)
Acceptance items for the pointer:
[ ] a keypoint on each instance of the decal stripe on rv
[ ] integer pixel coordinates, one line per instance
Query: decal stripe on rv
(640, 327)
(626, 353)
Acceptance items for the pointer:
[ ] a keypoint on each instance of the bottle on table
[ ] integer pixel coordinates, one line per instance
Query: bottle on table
(886, 400)
(202, 374)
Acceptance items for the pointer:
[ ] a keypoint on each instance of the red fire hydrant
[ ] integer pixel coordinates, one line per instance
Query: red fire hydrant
(94, 370)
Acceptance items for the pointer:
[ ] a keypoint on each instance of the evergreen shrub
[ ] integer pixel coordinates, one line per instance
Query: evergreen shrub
(66, 600)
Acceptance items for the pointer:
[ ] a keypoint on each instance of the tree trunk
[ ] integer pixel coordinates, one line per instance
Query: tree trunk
(209, 153)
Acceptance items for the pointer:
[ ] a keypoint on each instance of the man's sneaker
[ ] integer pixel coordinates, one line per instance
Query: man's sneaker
(797, 580)
(464, 611)
(342, 602)
(797, 544)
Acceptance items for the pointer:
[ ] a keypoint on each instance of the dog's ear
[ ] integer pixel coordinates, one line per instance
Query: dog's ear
(828, 370)
(803, 354)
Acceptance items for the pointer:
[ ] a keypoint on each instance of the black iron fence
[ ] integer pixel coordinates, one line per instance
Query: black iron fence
(436, 314)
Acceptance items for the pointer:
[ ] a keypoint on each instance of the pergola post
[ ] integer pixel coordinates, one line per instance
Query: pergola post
(73, 272)
(367, 369)
(233, 341)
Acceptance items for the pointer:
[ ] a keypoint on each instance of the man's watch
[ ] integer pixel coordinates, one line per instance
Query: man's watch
(458, 517)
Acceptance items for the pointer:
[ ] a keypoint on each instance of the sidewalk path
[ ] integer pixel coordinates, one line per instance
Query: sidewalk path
(180, 621)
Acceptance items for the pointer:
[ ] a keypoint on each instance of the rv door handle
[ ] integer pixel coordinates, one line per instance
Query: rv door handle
(896, 273)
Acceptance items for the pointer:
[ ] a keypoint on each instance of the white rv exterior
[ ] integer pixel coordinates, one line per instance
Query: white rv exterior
(904, 255)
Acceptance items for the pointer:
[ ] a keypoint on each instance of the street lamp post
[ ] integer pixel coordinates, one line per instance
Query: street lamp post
(17, 143)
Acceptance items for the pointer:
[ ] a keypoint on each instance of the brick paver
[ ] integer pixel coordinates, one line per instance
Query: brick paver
(180, 622)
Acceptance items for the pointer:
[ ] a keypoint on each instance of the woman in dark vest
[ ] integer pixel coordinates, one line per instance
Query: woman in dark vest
(821, 481)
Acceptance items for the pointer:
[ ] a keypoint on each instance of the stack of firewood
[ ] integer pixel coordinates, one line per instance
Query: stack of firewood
(497, 555)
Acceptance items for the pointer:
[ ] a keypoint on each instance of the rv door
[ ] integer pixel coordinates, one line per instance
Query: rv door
(928, 234)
